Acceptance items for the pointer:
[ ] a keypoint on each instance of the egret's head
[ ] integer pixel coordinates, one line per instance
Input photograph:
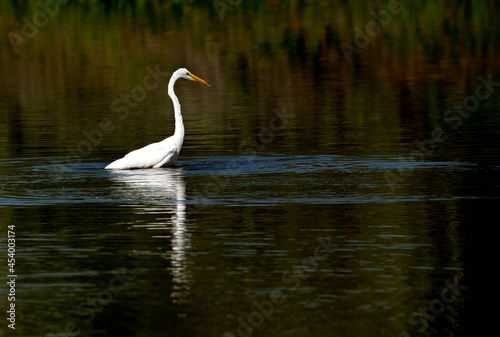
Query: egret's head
(184, 73)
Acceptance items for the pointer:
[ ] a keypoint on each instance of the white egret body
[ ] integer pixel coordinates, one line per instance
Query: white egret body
(166, 152)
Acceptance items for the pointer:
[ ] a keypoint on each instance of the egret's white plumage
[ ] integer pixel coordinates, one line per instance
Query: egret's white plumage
(166, 152)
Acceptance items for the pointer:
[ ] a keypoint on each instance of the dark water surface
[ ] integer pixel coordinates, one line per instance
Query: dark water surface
(312, 197)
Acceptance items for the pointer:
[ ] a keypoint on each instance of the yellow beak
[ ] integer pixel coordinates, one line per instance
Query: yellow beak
(196, 78)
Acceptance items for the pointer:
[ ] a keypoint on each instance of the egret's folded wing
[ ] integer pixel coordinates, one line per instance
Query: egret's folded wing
(146, 157)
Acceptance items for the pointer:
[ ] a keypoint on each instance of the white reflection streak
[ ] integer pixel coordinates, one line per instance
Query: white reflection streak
(163, 191)
(180, 243)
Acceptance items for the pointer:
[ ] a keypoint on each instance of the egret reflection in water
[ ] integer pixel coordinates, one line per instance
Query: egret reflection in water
(162, 192)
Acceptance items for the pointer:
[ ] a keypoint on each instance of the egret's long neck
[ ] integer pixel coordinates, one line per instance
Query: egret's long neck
(179, 125)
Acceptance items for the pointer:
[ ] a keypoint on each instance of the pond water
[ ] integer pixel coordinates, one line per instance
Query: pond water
(313, 196)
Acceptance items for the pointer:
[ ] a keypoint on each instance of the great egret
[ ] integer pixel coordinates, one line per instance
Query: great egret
(163, 153)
